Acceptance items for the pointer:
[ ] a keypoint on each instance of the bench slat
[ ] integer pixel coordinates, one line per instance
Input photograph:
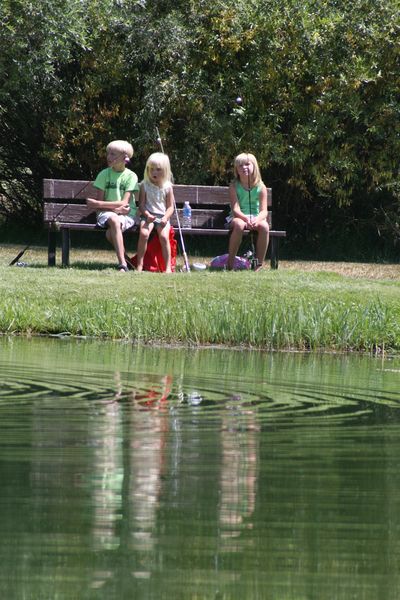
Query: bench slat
(204, 194)
(213, 231)
(195, 194)
(61, 212)
(68, 188)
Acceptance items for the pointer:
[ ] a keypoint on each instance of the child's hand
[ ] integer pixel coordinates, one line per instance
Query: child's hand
(254, 222)
(123, 210)
(91, 203)
(150, 218)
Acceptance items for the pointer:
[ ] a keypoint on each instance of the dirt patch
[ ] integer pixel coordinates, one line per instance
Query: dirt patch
(349, 269)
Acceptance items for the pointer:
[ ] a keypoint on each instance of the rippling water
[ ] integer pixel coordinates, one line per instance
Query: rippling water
(186, 474)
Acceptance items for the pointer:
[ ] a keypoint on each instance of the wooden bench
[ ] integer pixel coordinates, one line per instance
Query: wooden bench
(64, 211)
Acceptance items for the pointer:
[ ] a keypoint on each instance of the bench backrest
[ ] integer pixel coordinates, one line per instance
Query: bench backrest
(71, 189)
(210, 204)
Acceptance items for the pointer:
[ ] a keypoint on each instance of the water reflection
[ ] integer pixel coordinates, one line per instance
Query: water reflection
(106, 480)
(130, 472)
(238, 479)
(130, 460)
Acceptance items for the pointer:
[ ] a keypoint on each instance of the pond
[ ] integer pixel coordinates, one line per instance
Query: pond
(130, 472)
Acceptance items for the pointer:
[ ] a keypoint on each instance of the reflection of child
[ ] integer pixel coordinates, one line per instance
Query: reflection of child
(249, 205)
(156, 205)
(156, 396)
(115, 206)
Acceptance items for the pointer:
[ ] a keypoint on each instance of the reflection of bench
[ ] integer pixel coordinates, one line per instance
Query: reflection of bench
(63, 211)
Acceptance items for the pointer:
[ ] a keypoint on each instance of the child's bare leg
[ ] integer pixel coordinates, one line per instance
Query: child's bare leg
(235, 239)
(163, 234)
(262, 241)
(145, 229)
(115, 237)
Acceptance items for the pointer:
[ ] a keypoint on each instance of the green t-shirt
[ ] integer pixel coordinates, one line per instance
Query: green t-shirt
(248, 205)
(114, 184)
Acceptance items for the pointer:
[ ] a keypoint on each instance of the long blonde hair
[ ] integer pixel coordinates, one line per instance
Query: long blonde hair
(243, 158)
(158, 159)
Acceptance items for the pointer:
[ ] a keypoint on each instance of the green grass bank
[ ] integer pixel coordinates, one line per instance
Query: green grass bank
(292, 308)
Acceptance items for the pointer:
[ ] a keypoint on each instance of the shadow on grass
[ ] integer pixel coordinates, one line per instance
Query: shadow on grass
(92, 266)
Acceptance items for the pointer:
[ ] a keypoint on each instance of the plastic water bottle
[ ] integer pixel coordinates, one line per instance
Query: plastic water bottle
(187, 215)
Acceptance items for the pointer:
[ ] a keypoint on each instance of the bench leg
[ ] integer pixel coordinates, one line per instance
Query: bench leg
(274, 252)
(65, 246)
(51, 249)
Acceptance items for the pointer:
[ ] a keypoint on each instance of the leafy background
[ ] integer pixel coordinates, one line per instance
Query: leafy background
(320, 89)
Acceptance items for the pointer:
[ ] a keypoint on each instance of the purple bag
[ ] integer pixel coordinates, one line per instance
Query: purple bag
(220, 262)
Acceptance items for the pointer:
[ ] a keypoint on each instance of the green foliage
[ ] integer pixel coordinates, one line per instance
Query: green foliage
(315, 310)
(319, 82)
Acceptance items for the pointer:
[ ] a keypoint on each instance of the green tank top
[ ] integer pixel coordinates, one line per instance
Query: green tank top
(249, 203)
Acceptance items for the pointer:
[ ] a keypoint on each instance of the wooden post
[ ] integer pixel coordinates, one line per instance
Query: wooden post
(65, 246)
(51, 248)
(274, 241)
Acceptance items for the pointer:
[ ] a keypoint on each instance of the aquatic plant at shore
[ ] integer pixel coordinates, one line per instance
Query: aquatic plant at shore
(269, 310)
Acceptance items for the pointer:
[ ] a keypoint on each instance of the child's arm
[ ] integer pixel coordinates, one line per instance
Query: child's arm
(93, 202)
(136, 204)
(235, 207)
(142, 206)
(263, 203)
(101, 204)
(170, 204)
(125, 208)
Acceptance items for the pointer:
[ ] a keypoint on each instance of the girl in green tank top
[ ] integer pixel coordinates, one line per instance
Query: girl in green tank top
(249, 207)
(249, 202)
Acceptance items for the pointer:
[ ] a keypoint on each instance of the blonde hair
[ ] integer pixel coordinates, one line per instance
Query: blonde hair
(243, 158)
(121, 146)
(159, 159)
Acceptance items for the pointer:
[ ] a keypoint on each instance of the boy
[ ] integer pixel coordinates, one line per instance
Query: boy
(115, 203)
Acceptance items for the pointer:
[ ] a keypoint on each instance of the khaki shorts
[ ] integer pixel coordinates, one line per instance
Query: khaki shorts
(126, 221)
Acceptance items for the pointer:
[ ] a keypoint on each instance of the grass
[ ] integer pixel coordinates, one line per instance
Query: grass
(302, 306)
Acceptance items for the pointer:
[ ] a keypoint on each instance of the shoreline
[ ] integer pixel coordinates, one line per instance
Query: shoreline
(301, 307)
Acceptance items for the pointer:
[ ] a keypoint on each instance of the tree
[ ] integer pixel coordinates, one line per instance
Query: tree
(319, 82)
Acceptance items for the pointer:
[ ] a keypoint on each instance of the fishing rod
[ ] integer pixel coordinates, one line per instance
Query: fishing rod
(53, 221)
(254, 259)
(16, 258)
(60, 212)
(185, 257)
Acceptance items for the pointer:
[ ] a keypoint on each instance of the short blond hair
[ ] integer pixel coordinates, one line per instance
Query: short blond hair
(158, 159)
(121, 146)
(243, 158)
